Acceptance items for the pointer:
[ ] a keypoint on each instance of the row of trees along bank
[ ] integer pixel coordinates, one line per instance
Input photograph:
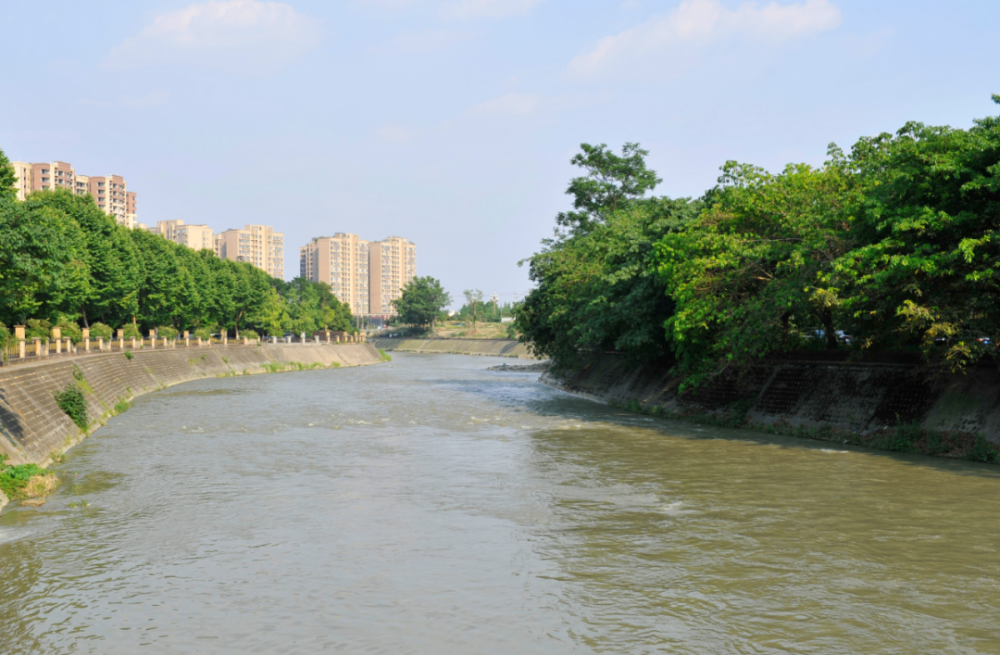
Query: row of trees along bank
(892, 246)
(65, 263)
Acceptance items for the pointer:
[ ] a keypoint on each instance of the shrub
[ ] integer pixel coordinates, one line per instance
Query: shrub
(4, 335)
(166, 332)
(69, 329)
(983, 451)
(249, 334)
(203, 333)
(102, 331)
(39, 328)
(129, 355)
(73, 403)
(15, 480)
(132, 331)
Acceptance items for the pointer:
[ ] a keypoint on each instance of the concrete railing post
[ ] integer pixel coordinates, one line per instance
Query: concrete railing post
(69, 345)
(56, 336)
(21, 350)
(42, 347)
(133, 343)
(100, 344)
(152, 338)
(199, 342)
(86, 345)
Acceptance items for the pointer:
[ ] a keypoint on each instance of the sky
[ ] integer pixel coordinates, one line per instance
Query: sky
(452, 122)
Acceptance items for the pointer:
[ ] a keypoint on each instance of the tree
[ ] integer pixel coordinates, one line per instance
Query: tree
(750, 275)
(597, 286)
(611, 183)
(43, 268)
(926, 268)
(421, 302)
(8, 179)
(473, 299)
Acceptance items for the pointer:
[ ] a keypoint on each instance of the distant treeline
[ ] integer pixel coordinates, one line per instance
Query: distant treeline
(892, 246)
(63, 261)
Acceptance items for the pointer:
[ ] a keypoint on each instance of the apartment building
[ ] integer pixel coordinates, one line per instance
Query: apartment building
(259, 245)
(196, 237)
(392, 263)
(341, 261)
(368, 275)
(110, 192)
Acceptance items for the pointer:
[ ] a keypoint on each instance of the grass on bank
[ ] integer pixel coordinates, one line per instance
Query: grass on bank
(386, 357)
(25, 481)
(904, 438)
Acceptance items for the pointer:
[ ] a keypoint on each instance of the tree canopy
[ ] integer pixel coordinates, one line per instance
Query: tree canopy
(893, 246)
(422, 301)
(64, 261)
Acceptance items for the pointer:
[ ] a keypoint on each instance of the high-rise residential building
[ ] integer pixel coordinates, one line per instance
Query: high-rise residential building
(259, 245)
(197, 237)
(110, 192)
(22, 171)
(393, 263)
(342, 262)
(366, 275)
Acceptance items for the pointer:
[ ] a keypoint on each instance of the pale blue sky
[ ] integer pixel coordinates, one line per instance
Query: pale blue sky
(452, 122)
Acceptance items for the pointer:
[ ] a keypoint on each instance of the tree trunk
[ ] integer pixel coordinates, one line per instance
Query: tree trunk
(831, 335)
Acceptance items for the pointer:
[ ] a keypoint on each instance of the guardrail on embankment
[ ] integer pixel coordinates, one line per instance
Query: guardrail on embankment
(483, 347)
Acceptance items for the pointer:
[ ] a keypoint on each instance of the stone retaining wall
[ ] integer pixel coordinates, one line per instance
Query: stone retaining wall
(844, 396)
(485, 347)
(32, 426)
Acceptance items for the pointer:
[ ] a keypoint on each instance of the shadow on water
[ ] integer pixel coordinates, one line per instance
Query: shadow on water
(548, 401)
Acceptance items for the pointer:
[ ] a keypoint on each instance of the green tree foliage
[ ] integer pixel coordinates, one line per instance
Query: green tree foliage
(611, 183)
(422, 301)
(597, 287)
(896, 244)
(926, 269)
(64, 262)
(749, 276)
(474, 301)
(308, 307)
(8, 179)
(43, 267)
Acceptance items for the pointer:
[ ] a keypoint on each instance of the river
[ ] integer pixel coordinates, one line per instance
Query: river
(430, 506)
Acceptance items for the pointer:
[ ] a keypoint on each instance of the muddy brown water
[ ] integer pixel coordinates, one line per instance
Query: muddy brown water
(431, 506)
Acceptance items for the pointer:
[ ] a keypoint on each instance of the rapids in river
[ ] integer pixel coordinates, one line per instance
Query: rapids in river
(431, 506)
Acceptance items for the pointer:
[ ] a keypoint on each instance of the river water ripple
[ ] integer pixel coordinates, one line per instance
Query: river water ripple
(430, 506)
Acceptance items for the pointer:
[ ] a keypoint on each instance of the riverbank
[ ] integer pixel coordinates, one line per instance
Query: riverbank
(482, 347)
(34, 429)
(897, 406)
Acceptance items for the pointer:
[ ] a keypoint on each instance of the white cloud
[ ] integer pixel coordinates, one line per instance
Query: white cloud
(674, 40)
(237, 36)
(474, 9)
(395, 134)
(422, 43)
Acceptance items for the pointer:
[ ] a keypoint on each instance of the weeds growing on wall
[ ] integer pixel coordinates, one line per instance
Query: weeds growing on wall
(386, 357)
(121, 406)
(129, 355)
(72, 401)
(25, 480)
(904, 438)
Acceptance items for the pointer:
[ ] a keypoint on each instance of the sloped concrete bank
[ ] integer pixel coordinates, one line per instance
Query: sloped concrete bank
(484, 347)
(810, 396)
(33, 427)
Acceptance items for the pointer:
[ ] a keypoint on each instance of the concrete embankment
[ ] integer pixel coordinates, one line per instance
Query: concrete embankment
(485, 347)
(33, 427)
(810, 397)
